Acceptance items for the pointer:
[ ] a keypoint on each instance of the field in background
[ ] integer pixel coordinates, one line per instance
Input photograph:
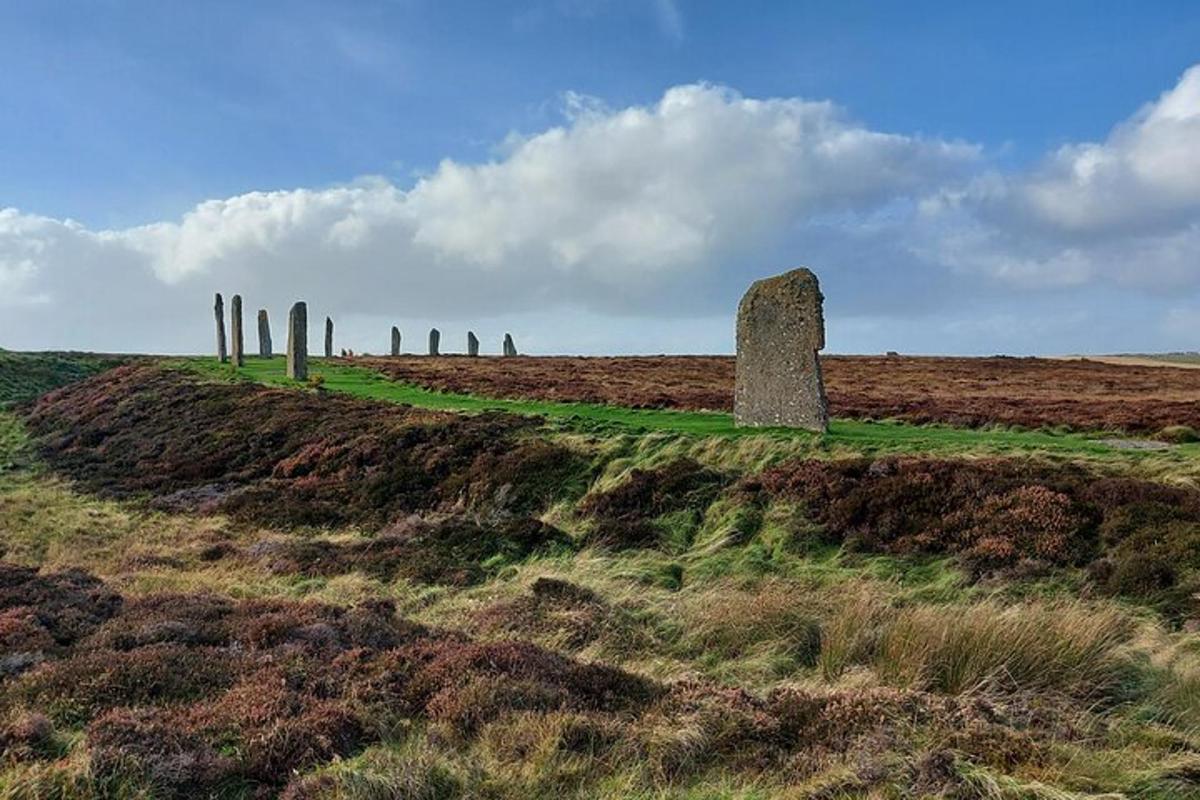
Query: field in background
(1030, 392)
(230, 585)
(845, 436)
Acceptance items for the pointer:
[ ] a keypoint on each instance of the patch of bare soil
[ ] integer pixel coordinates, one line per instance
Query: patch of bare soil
(1030, 392)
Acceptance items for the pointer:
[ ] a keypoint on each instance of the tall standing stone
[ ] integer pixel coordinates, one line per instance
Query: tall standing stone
(472, 344)
(219, 312)
(435, 341)
(264, 334)
(395, 341)
(510, 349)
(328, 337)
(780, 328)
(297, 343)
(238, 350)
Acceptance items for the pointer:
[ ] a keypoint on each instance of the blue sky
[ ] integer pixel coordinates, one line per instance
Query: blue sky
(603, 175)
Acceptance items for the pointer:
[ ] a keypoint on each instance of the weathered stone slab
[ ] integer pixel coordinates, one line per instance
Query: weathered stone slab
(510, 349)
(238, 350)
(395, 341)
(472, 344)
(297, 344)
(435, 341)
(219, 313)
(264, 334)
(780, 328)
(328, 337)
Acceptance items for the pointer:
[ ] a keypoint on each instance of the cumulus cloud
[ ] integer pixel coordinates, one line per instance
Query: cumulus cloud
(663, 210)
(617, 210)
(1125, 210)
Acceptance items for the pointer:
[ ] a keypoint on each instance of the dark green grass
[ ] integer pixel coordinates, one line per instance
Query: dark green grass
(26, 376)
(857, 435)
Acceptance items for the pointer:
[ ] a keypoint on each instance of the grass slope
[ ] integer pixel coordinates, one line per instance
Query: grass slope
(781, 665)
(25, 376)
(855, 435)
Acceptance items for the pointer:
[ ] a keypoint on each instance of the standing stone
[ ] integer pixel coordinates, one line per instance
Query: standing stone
(297, 345)
(780, 328)
(395, 341)
(510, 349)
(472, 344)
(264, 334)
(328, 337)
(219, 312)
(235, 332)
(435, 340)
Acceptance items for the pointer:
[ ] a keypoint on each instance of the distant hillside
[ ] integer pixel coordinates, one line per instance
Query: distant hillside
(25, 376)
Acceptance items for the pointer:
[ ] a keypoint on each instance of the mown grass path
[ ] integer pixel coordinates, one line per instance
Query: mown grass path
(843, 433)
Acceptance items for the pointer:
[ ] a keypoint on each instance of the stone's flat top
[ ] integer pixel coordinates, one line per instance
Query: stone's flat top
(794, 292)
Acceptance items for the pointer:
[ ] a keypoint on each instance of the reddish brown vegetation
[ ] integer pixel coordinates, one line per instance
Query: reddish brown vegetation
(41, 614)
(573, 615)
(624, 513)
(795, 733)
(285, 457)
(191, 692)
(197, 695)
(996, 513)
(1029, 392)
(454, 550)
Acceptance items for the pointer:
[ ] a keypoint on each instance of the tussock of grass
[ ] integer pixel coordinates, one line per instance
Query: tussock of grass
(1065, 647)
(415, 770)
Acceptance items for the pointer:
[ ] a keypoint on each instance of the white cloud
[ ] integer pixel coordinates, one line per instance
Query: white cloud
(614, 211)
(667, 209)
(1124, 211)
(1146, 175)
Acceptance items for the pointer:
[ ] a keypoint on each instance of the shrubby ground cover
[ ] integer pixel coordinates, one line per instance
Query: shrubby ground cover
(227, 589)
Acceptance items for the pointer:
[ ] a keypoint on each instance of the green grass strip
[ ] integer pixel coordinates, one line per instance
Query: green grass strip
(846, 433)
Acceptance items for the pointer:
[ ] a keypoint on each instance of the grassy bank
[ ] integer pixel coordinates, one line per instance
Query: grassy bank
(216, 590)
(844, 435)
(25, 376)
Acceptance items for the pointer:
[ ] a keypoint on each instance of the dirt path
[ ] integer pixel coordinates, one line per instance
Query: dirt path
(1132, 361)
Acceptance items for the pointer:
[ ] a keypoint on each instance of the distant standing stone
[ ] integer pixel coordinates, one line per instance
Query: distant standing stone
(510, 349)
(435, 341)
(264, 334)
(780, 328)
(395, 341)
(235, 332)
(472, 344)
(328, 337)
(297, 343)
(219, 312)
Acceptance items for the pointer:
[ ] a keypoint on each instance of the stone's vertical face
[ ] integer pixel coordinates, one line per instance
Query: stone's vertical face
(395, 341)
(238, 350)
(219, 312)
(780, 328)
(472, 344)
(264, 334)
(435, 341)
(510, 349)
(297, 343)
(328, 337)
